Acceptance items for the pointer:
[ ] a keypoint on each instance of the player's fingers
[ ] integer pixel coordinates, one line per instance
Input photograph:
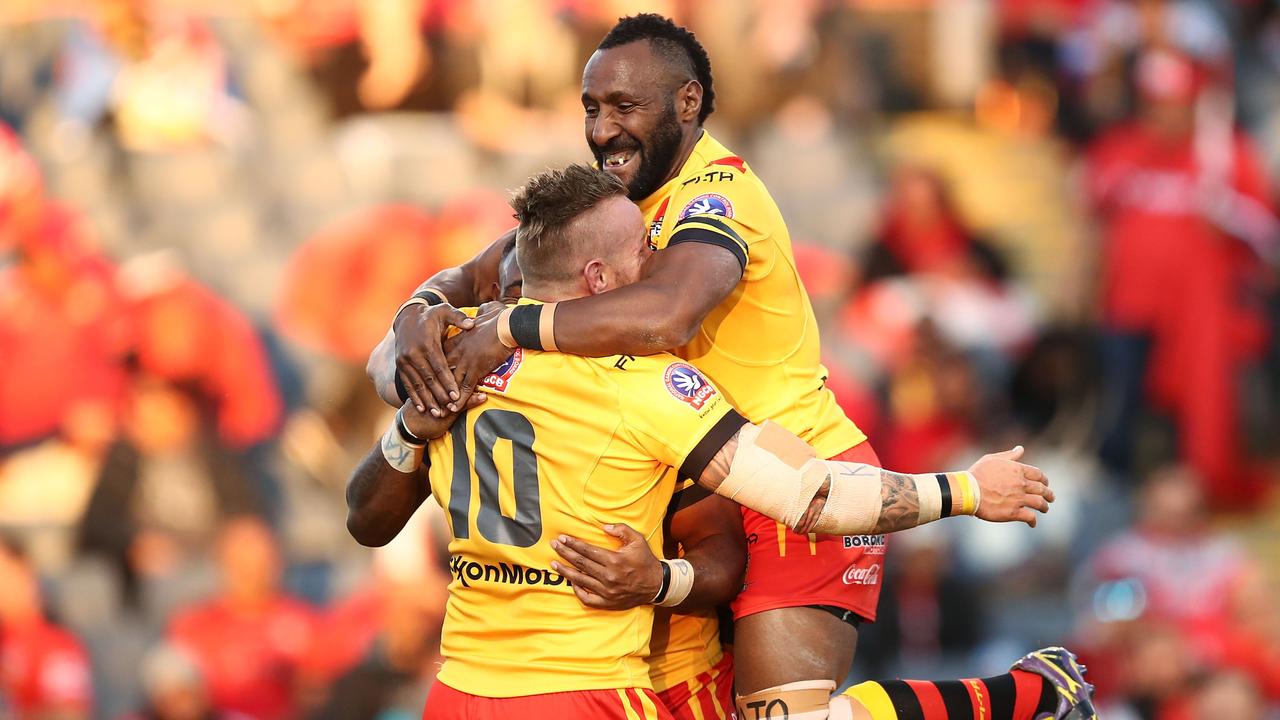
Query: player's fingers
(1037, 502)
(590, 599)
(1031, 472)
(1028, 516)
(1038, 488)
(1011, 454)
(578, 578)
(447, 389)
(624, 532)
(459, 319)
(580, 561)
(476, 399)
(598, 555)
(417, 389)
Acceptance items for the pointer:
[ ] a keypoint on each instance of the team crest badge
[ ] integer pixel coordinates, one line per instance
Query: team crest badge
(708, 204)
(687, 385)
(500, 379)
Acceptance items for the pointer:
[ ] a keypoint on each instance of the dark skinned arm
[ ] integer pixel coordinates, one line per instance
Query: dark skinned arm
(662, 311)
(710, 532)
(380, 498)
(412, 346)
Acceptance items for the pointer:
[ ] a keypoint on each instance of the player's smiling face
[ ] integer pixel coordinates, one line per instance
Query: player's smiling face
(632, 128)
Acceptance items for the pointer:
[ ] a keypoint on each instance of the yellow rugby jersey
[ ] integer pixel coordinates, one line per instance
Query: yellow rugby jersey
(564, 444)
(760, 344)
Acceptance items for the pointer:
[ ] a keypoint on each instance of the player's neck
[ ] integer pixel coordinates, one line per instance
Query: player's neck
(682, 157)
(551, 292)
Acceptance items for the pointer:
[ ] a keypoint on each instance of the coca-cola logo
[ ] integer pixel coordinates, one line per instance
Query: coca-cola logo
(862, 575)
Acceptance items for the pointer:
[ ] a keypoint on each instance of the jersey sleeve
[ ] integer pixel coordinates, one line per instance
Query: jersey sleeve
(726, 206)
(674, 413)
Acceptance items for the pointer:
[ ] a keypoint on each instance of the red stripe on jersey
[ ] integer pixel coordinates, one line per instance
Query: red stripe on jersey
(732, 161)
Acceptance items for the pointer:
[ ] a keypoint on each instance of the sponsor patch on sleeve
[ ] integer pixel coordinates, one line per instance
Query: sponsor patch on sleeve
(500, 379)
(708, 204)
(687, 385)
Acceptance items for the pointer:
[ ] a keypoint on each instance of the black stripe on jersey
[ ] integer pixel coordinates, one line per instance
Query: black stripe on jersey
(691, 495)
(716, 223)
(710, 237)
(701, 455)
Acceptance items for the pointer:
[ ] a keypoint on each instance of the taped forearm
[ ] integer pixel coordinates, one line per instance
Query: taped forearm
(779, 475)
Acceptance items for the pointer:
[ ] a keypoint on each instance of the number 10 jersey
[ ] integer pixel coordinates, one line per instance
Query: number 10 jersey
(563, 445)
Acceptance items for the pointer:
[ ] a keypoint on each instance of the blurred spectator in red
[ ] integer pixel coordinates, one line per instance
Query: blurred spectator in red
(922, 234)
(175, 689)
(62, 330)
(249, 640)
(1188, 573)
(44, 671)
(926, 264)
(186, 335)
(342, 284)
(1185, 213)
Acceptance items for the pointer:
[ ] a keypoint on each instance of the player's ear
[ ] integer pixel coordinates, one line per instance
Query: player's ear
(597, 276)
(689, 100)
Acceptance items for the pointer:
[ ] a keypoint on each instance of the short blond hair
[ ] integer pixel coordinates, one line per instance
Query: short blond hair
(546, 208)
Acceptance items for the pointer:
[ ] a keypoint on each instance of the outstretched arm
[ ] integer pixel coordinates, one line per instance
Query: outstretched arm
(777, 474)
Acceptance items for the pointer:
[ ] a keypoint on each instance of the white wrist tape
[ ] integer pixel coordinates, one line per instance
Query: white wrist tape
(681, 582)
(773, 472)
(399, 452)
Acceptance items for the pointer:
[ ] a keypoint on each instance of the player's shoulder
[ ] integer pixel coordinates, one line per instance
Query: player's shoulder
(718, 182)
(660, 378)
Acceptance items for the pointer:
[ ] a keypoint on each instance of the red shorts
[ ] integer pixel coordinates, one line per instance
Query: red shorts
(445, 703)
(709, 696)
(785, 569)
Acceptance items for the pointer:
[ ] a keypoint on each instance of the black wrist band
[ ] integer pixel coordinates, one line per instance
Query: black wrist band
(525, 328)
(401, 391)
(945, 486)
(404, 430)
(666, 584)
(431, 296)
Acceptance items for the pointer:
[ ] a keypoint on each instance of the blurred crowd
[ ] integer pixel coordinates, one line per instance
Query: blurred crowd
(1046, 222)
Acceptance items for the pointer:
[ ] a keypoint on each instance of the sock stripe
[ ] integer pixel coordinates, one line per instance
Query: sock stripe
(958, 699)
(931, 704)
(1002, 693)
(1030, 700)
(904, 699)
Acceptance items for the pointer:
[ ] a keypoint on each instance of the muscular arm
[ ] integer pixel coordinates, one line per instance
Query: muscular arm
(1010, 491)
(662, 311)
(381, 499)
(710, 532)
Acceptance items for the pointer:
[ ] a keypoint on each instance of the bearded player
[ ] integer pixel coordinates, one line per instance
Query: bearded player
(722, 291)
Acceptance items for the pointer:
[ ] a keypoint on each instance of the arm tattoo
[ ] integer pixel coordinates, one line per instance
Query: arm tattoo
(899, 502)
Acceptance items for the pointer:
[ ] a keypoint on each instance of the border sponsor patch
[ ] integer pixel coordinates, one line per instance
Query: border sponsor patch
(708, 204)
(500, 378)
(687, 385)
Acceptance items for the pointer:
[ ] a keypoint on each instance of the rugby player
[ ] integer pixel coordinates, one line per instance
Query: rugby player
(566, 442)
(723, 292)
